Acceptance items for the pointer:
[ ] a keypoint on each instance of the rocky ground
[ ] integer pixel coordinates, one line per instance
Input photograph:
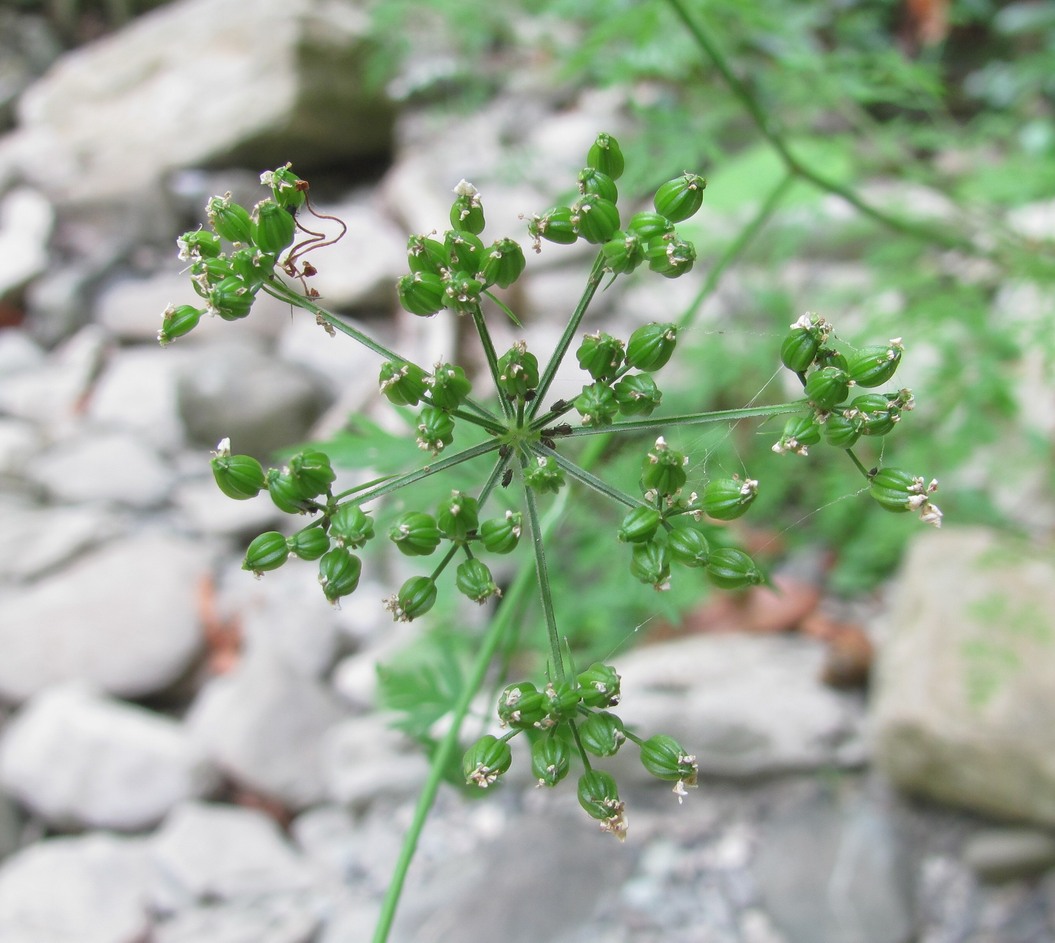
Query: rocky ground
(189, 754)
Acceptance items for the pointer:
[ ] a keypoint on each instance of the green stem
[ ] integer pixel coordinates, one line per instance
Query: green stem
(587, 478)
(775, 139)
(857, 462)
(739, 245)
(542, 572)
(425, 471)
(592, 284)
(691, 419)
(492, 359)
(501, 304)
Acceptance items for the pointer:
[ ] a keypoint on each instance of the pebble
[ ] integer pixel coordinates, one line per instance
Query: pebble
(81, 760)
(1008, 854)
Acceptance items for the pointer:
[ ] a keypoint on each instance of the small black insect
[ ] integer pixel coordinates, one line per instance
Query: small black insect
(507, 476)
(529, 396)
(548, 442)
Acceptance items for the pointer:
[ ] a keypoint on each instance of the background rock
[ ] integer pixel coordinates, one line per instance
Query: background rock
(966, 679)
(121, 617)
(79, 760)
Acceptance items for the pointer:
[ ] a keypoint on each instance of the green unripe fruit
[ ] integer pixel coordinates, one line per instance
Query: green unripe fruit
(351, 526)
(545, 477)
(595, 181)
(339, 573)
(311, 472)
(467, 213)
(199, 244)
(637, 394)
(602, 734)
(877, 414)
(518, 370)
(827, 387)
(435, 429)
(599, 796)
(681, 197)
(799, 349)
(230, 220)
(522, 706)
(726, 499)
(648, 226)
(465, 251)
(670, 256)
(501, 534)
(550, 760)
(663, 469)
(427, 255)
(448, 385)
(556, 225)
(595, 218)
(800, 432)
(474, 580)
(274, 227)
(651, 346)
(600, 355)
(266, 552)
(286, 495)
(873, 366)
(252, 266)
(596, 404)
(402, 384)
(462, 292)
(731, 568)
(639, 525)
(415, 597)
(895, 489)
(238, 476)
(309, 544)
(286, 187)
(623, 253)
(422, 293)
(503, 263)
(649, 563)
(687, 544)
(415, 534)
(599, 686)
(562, 702)
(665, 758)
(458, 515)
(830, 357)
(606, 156)
(231, 298)
(486, 760)
(842, 431)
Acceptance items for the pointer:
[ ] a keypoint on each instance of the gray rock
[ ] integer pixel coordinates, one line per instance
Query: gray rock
(91, 889)
(81, 760)
(26, 220)
(1007, 854)
(10, 826)
(744, 705)
(205, 852)
(831, 869)
(204, 508)
(263, 725)
(364, 758)
(261, 404)
(278, 78)
(122, 618)
(53, 394)
(18, 441)
(965, 682)
(18, 351)
(137, 392)
(37, 539)
(275, 919)
(102, 466)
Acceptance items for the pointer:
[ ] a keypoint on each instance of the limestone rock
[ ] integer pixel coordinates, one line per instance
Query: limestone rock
(91, 889)
(263, 725)
(26, 219)
(965, 685)
(260, 403)
(744, 705)
(282, 83)
(210, 852)
(1006, 854)
(78, 759)
(122, 617)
